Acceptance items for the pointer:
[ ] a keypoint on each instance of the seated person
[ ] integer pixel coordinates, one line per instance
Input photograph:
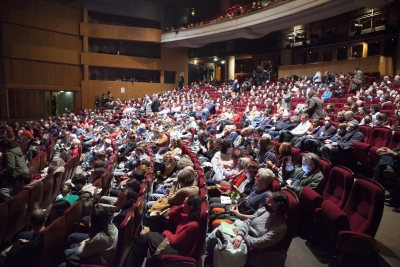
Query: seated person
(246, 205)
(308, 175)
(333, 150)
(23, 252)
(179, 243)
(229, 133)
(300, 130)
(314, 141)
(100, 245)
(388, 169)
(264, 229)
(168, 167)
(160, 190)
(124, 203)
(182, 187)
(382, 121)
(66, 194)
(266, 151)
(247, 139)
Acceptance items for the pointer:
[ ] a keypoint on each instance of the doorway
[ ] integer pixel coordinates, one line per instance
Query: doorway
(65, 101)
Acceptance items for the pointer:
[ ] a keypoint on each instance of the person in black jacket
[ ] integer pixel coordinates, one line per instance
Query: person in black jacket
(181, 81)
(24, 252)
(155, 104)
(313, 141)
(333, 150)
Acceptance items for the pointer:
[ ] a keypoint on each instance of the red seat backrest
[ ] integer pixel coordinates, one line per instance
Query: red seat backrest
(366, 131)
(338, 186)
(201, 237)
(364, 207)
(395, 140)
(18, 209)
(325, 167)
(380, 137)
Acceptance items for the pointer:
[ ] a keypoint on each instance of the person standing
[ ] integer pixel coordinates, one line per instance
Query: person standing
(54, 106)
(97, 102)
(181, 80)
(211, 72)
(314, 107)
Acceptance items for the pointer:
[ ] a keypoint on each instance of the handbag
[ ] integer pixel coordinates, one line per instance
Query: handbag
(244, 207)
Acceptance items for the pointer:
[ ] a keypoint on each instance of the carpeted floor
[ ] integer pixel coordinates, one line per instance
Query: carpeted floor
(305, 253)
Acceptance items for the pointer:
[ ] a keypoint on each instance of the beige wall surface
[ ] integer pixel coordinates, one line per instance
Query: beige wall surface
(44, 51)
(368, 64)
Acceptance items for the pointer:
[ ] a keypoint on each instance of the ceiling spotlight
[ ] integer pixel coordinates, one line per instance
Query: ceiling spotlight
(193, 12)
(223, 62)
(215, 59)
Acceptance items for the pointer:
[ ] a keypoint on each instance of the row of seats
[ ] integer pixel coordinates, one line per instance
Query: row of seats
(348, 212)
(18, 209)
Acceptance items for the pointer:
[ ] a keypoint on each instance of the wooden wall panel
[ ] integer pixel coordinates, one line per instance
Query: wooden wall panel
(32, 6)
(39, 20)
(20, 72)
(171, 60)
(66, 76)
(20, 51)
(54, 55)
(58, 40)
(41, 37)
(36, 72)
(120, 32)
(8, 70)
(49, 36)
(76, 75)
(58, 73)
(23, 35)
(33, 36)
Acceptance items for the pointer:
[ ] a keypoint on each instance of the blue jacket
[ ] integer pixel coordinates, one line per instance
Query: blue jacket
(232, 137)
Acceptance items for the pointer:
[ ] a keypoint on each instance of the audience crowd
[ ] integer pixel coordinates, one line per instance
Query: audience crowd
(244, 138)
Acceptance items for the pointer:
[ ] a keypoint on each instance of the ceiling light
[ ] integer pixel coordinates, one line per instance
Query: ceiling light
(223, 62)
(215, 59)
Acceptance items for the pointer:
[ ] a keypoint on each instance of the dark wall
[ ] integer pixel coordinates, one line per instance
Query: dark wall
(3, 93)
(165, 11)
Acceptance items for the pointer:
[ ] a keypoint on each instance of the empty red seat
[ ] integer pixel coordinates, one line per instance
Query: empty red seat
(337, 190)
(353, 229)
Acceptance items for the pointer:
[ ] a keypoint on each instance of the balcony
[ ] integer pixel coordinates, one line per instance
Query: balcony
(260, 23)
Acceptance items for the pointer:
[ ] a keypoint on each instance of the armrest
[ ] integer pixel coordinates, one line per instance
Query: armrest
(355, 243)
(169, 260)
(332, 219)
(310, 200)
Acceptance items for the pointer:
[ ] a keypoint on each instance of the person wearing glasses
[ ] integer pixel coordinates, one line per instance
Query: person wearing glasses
(316, 140)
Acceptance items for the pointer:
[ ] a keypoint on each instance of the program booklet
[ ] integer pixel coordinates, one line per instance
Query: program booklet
(226, 200)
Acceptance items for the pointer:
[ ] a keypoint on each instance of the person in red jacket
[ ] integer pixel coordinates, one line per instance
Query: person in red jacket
(180, 242)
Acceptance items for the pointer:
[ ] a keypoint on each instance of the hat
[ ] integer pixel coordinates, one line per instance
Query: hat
(108, 141)
(269, 100)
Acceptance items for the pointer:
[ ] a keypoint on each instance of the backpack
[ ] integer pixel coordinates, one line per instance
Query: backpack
(88, 201)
